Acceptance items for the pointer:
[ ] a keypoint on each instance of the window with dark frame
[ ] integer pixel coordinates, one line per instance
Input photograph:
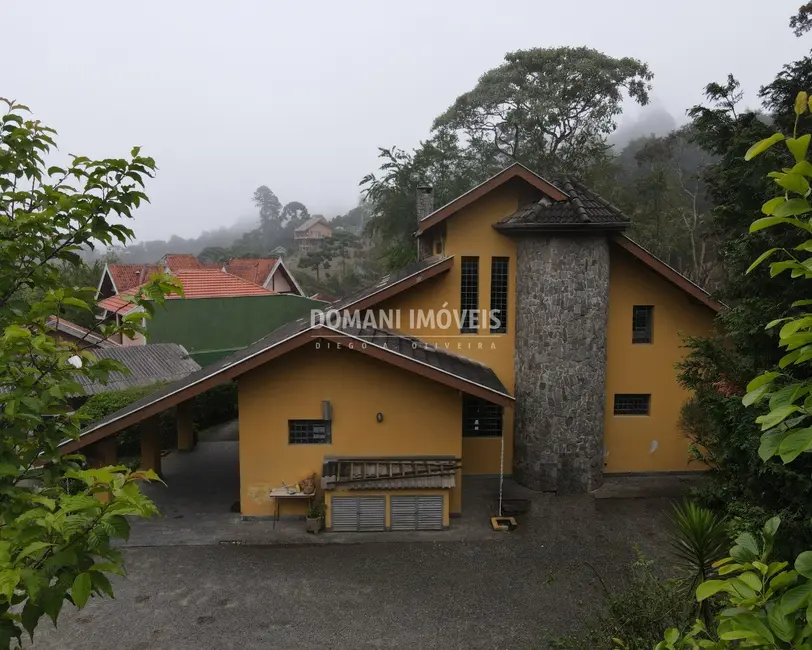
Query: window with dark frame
(469, 295)
(499, 293)
(632, 404)
(309, 432)
(480, 418)
(642, 318)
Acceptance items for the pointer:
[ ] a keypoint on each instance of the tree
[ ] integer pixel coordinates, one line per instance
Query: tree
(215, 255)
(801, 22)
(717, 369)
(55, 545)
(317, 259)
(294, 214)
(659, 185)
(550, 108)
(765, 605)
(269, 213)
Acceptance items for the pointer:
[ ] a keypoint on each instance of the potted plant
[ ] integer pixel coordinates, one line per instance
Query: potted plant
(315, 516)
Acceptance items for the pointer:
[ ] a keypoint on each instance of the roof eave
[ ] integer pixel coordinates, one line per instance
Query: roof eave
(516, 170)
(522, 228)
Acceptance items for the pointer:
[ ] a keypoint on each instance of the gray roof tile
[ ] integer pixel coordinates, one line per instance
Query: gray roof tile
(584, 208)
(148, 364)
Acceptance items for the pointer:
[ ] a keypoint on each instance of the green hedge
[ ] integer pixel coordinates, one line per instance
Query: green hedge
(210, 408)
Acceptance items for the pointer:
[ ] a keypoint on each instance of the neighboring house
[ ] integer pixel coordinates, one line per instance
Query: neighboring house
(279, 251)
(65, 330)
(574, 380)
(222, 309)
(310, 235)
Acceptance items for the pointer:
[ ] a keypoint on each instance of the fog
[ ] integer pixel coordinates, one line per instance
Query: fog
(298, 96)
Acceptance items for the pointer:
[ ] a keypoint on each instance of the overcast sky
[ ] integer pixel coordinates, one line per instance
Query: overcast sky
(227, 96)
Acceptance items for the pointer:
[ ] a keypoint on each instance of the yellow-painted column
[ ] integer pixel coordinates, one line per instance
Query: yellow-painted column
(151, 444)
(186, 426)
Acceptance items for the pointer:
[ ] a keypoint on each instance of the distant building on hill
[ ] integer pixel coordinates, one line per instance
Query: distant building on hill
(310, 235)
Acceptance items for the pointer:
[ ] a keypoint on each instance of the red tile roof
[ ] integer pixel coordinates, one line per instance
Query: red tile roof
(196, 283)
(177, 262)
(127, 276)
(254, 270)
(214, 283)
(118, 304)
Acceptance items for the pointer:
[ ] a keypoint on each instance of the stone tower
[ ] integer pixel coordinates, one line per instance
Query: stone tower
(562, 302)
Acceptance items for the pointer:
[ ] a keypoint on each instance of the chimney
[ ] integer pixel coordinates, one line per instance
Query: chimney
(425, 201)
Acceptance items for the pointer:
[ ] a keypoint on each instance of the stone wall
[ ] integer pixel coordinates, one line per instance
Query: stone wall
(562, 299)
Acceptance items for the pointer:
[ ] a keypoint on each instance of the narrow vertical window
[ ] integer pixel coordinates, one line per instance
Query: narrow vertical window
(642, 317)
(469, 295)
(499, 294)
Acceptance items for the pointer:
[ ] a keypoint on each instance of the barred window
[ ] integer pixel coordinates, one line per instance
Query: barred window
(480, 417)
(309, 432)
(632, 404)
(469, 295)
(642, 317)
(499, 294)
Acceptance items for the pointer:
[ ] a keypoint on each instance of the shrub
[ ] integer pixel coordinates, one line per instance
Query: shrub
(637, 613)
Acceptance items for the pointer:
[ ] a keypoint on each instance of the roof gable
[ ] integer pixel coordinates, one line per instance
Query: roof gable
(516, 170)
(178, 261)
(672, 275)
(405, 352)
(395, 283)
(583, 210)
(307, 225)
(256, 270)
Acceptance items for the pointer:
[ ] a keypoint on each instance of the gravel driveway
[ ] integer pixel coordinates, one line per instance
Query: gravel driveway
(540, 581)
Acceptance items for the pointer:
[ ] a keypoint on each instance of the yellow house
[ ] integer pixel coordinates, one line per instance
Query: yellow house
(531, 338)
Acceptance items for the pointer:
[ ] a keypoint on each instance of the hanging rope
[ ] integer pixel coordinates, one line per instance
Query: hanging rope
(501, 472)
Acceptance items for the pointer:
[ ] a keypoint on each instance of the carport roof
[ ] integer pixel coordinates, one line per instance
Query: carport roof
(405, 352)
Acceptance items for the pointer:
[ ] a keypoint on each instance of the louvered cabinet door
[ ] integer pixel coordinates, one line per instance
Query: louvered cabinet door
(403, 514)
(344, 514)
(417, 512)
(371, 514)
(358, 514)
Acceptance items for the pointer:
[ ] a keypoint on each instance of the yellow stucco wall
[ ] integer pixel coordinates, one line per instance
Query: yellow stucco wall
(647, 368)
(387, 494)
(470, 233)
(420, 417)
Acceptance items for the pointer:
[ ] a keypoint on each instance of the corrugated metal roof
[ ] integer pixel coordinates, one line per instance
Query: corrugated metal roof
(407, 483)
(148, 364)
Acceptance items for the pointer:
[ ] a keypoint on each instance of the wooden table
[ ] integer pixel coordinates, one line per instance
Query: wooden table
(282, 493)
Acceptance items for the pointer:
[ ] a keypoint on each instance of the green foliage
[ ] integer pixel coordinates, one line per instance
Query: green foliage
(637, 612)
(698, 541)
(786, 430)
(101, 404)
(716, 370)
(54, 545)
(550, 109)
(767, 605)
(764, 604)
